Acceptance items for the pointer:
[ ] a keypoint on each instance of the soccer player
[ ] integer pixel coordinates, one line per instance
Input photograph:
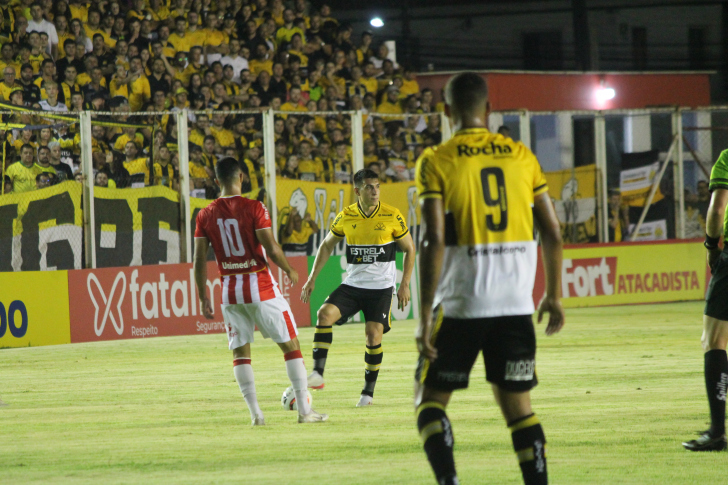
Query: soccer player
(241, 236)
(479, 195)
(715, 318)
(372, 230)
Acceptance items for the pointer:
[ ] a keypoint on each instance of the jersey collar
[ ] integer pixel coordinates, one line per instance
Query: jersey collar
(471, 131)
(374, 212)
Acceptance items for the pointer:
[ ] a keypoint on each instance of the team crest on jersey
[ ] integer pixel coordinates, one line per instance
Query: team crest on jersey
(379, 227)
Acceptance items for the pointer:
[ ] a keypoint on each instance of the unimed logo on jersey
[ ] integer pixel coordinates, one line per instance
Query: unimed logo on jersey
(143, 301)
(588, 277)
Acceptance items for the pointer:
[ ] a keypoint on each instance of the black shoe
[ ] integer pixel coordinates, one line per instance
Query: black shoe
(706, 443)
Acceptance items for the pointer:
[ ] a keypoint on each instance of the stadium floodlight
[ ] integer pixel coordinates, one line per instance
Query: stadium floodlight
(604, 92)
(376, 22)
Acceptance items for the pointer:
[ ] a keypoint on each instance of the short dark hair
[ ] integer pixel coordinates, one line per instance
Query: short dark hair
(466, 91)
(362, 175)
(227, 169)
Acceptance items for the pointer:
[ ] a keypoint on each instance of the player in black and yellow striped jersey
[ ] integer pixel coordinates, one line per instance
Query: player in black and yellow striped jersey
(479, 194)
(373, 231)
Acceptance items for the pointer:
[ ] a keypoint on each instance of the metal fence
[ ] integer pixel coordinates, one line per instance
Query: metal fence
(139, 179)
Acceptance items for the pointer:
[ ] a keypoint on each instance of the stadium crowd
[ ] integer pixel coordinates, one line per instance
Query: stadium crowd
(224, 60)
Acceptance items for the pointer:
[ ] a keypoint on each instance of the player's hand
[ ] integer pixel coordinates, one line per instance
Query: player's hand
(293, 276)
(403, 296)
(553, 307)
(713, 256)
(207, 309)
(423, 339)
(307, 290)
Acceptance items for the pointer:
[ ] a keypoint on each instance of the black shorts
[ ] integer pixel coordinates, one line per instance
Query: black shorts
(376, 304)
(716, 300)
(509, 351)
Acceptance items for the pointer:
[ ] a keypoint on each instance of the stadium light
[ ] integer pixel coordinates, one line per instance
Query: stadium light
(604, 92)
(376, 22)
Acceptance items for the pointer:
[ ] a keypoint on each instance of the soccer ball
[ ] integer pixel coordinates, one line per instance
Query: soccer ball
(288, 399)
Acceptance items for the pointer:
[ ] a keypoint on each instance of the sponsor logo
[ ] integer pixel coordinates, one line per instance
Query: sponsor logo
(150, 300)
(657, 282)
(588, 277)
(8, 321)
(107, 310)
(251, 263)
(488, 251)
(538, 453)
(520, 370)
(452, 376)
(721, 387)
(379, 226)
(385, 215)
(366, 255)
(489, 149)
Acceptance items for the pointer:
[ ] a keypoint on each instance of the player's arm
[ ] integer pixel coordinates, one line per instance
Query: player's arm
(714, 224)
(322, 255)
(552, 246)
(275, 253)
(200, 270)
(407, 245)
(432, 251)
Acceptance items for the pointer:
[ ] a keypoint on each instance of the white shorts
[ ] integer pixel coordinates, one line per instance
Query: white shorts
(273, 317)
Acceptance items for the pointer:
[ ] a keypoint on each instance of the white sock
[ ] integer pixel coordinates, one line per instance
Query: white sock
(297, 374)
(246, 381)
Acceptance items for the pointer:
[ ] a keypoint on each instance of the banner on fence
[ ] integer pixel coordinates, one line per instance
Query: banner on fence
(323, 201)
(616, 274)
(34, 308)
(574, 195)
(143, 301)
(638, 174)
(42, 229)
(136, 226)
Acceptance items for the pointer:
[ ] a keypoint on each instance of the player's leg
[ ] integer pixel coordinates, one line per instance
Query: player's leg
(372, 361)
(245, 378)
(240, 330)
(529, 441)
(509, 352)
(323, 336)
(275, 321)
(340, 304)
(435, 432)
(377, 308)
(457, 348)
(715, 336)
(714, 339)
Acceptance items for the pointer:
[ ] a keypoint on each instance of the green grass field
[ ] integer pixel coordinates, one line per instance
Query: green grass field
(620, 388)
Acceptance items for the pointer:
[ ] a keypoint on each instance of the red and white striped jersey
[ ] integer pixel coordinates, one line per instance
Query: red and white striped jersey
(229, 223)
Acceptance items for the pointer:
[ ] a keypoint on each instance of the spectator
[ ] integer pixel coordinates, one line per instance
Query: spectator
(505, 131)
(390, 105)
(297, 232)
(39, 24)
(23, 173)
(8, 83)
(290, 168)
(618, 217)
(52, 103)
(101, 179)
(63, 170)
(43, 180)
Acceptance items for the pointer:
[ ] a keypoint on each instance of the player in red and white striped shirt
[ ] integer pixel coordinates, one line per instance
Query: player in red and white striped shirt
(239, 230)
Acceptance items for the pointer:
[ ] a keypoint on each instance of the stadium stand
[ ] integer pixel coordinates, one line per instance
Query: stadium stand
(132, 62)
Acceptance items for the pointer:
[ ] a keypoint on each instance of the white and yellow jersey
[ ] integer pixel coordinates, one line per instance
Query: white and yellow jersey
(370, 244)
(487, 184)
